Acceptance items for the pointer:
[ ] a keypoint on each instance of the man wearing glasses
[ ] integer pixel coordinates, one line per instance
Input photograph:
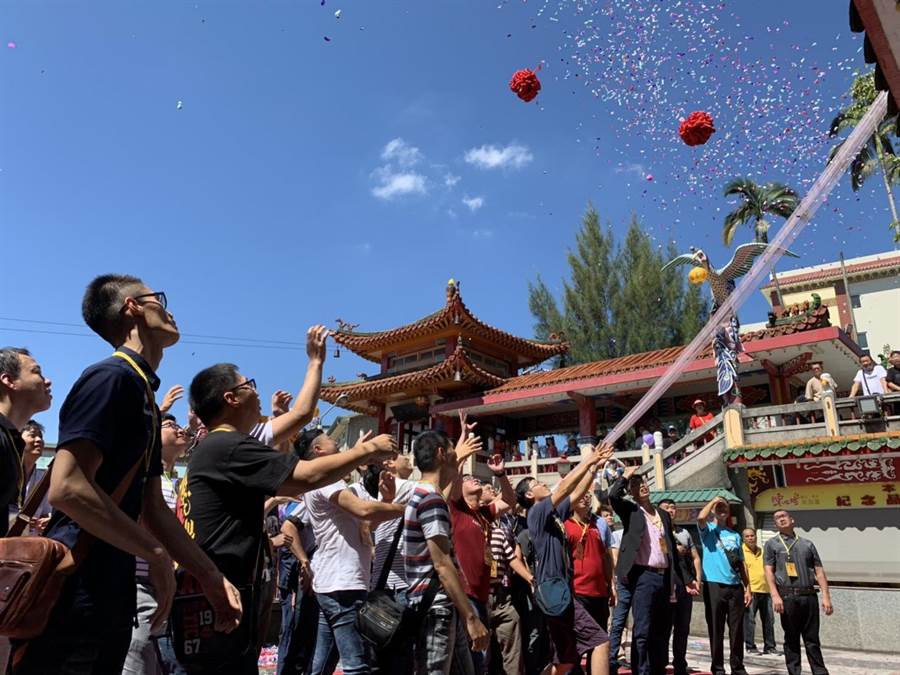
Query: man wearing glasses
(230, 475)
(109, 440)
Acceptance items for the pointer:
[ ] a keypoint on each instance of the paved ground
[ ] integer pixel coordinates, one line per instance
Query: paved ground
(838, 661)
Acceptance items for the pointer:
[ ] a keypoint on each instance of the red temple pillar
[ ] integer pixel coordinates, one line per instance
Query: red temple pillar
(382, 421)
(587, 418)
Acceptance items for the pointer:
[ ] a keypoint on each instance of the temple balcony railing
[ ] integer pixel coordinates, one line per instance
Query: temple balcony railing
(695, 461)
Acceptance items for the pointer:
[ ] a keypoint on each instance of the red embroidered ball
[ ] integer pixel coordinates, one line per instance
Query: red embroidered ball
(525, 84)
(697, 128)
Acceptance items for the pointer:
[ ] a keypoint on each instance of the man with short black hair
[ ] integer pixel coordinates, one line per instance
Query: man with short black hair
(793, 568)
(892, 378)
(447, 622)
(229, 477)
(24, 391)
(870, 379)
(109, 439)
(342, 565)
(646, 569)
(145, 657)
(573, 631)
(728, 589)
(761, 601)
(686, 587)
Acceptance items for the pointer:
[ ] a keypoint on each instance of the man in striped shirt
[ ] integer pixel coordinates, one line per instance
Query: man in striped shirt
(446, 617)
(506, 639)
(143, 655)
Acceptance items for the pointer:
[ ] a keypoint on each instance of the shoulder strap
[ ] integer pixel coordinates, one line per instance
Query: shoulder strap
(389, 561)
(430, 593)
(32, 502)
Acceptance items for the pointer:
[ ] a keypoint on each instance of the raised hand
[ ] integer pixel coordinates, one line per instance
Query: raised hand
(315, 342)
(603, 452)
(467, 447)
(383, 446)
(387, 486)
(281, 402)
(497, 465)
(174, 394)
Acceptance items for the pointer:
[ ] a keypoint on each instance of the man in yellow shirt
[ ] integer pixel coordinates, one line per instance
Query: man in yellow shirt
(760, 601)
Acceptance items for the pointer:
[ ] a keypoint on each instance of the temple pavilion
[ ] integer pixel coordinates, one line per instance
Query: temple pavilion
(451, 360)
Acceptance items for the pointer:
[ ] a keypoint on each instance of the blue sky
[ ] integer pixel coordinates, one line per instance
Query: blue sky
(304, 179)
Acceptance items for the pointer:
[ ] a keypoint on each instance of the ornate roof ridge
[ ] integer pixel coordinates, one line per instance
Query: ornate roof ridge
(454, 314)
(456, 363)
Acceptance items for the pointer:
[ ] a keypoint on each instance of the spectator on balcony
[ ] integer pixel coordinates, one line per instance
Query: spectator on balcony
(819, 383)
(672, 436)
(552, 450)
(700, 417)
(572, 449)
(870, 379)
(893, 373)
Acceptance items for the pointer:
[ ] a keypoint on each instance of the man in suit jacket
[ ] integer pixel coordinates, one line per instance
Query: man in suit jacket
(645, 567)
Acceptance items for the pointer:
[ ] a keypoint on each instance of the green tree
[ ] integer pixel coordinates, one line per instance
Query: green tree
(878, 152)
(694, 312)
(616, 301)
(758, 201)
(588, 294)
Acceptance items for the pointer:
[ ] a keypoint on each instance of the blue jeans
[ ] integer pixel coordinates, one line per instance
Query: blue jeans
(338, 635)
(442, 644)
(297, 641)
(619, 621)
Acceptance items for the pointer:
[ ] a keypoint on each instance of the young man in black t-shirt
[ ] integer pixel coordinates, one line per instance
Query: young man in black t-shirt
(229, 477)
(109, 425)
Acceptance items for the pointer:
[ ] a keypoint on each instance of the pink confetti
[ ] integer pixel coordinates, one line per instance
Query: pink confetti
(10, 45)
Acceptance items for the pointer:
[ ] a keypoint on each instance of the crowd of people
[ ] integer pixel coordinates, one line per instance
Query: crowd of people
(489, 577)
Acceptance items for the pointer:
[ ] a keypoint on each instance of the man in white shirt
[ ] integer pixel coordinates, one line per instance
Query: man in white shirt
(342, 564)
(870, 379)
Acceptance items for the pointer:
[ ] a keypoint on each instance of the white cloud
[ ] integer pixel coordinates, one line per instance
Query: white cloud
(631, 167)
(401, 152)
(450, 180)
(483, 234)
(398, 184)
(474, 203)
(513, 156)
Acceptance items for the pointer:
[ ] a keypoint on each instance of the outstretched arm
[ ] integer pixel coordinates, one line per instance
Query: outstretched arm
(286, 425)
(568, 484)
(321, 471)
(369, 510)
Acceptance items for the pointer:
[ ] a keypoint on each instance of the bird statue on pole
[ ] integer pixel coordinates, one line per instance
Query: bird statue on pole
(727, 340)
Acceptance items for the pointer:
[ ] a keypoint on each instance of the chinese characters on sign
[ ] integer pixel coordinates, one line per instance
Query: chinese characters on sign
(847, 496)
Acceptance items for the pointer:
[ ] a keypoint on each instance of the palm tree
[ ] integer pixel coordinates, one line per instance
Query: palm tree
(772, 198)
(877, 153)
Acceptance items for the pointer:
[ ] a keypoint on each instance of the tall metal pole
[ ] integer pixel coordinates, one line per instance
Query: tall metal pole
(849, 297)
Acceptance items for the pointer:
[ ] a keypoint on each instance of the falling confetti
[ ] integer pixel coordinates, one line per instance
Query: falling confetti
(337, 14)
(647, 63)
(179, 105)
(10, 45)
(327, 39)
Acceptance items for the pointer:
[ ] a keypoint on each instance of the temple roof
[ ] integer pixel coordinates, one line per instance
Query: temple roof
(443, 374)
(795, 319)
(454, 319)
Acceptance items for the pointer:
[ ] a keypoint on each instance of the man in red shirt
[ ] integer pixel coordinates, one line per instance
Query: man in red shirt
(472, 525)
(589, 539)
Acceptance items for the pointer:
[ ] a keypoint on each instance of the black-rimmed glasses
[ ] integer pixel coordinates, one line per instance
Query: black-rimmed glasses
(246, 383)
(159, 296)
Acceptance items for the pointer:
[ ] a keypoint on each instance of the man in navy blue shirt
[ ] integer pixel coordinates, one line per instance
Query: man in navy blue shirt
(109, 435)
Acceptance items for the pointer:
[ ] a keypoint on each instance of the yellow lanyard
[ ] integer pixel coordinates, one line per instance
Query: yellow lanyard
(150, 401)
(223, 428)
(788, 548)
(20, 479)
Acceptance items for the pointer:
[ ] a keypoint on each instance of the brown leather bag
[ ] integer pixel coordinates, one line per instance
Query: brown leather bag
(33, 569)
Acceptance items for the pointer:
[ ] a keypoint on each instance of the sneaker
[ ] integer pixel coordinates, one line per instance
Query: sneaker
(773, 651)
(751, 649)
